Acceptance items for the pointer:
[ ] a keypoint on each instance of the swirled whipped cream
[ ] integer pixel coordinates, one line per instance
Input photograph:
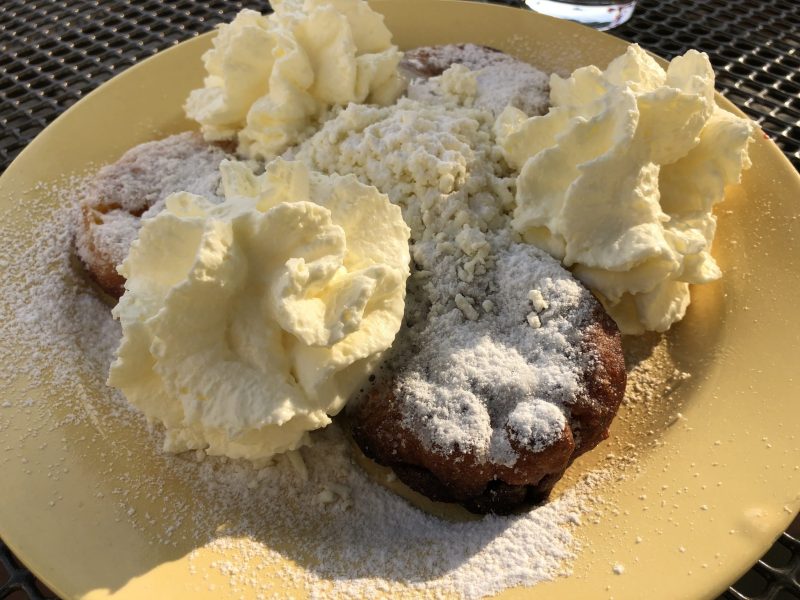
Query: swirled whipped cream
(271, 78)
(248, 323)
(619, 179)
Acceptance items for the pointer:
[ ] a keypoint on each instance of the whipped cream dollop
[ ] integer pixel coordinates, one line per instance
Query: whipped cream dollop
(248, 323)
(619, 179)
(271, 78)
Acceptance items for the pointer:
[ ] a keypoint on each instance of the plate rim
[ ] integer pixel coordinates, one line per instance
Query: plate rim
(775, 154)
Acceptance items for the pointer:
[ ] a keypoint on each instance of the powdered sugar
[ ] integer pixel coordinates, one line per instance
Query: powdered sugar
(111, 236)
(517, 84)
(501, 79)
(473, 382)
(434, 60)
(136, 186)
(48, 310)
(58, 335)
(147, 173)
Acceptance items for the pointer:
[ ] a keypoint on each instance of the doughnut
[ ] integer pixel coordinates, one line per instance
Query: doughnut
(451, 379)
(116, 199)
(502, 79)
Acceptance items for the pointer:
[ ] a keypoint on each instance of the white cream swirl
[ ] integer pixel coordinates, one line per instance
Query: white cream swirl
(270, 78)
(248, 323)
(619, 179)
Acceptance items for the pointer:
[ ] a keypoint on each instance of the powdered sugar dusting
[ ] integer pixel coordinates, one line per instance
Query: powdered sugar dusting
(502, 80)
(60, 337)
(352, 539)
(517, 84)
(434, 60)
(472, 383)
(110, 237)
(47, 308)
(347, 536)
(137, 185)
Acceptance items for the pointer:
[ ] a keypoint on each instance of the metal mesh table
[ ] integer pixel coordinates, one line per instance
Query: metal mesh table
(52, 52)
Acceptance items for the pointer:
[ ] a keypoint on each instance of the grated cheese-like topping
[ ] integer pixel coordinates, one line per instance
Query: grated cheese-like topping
(438, 162)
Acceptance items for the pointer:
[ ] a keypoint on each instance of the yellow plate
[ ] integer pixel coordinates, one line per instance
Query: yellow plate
(712, 488)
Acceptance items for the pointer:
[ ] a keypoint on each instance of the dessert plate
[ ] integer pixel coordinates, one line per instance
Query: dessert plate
(715, 475)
